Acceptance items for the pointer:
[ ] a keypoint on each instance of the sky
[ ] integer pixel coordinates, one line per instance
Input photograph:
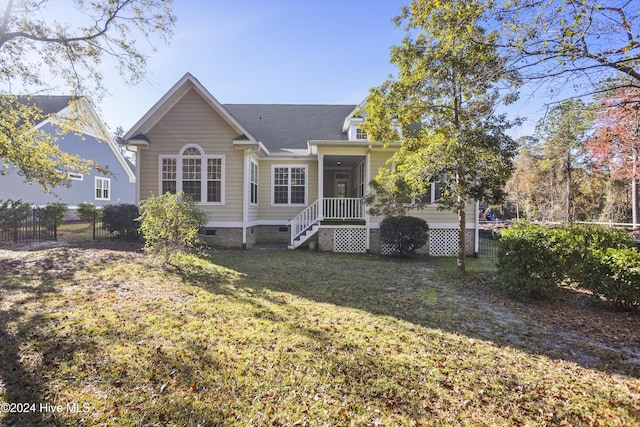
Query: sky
(277, 51)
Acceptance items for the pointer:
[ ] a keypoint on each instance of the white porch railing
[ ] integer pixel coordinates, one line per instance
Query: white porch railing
(304, 220)
(332, 208)
(343, 208)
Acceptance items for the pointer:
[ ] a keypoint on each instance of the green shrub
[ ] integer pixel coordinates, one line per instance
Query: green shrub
(533, 260)
(87, 212)
(528, 264)
(52, 214)
(121, 219)
(170, 224)
(616, 276)
(575, 245)
(405, 233)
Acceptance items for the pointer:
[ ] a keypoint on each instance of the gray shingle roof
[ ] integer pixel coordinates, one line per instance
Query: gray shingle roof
(283, 127)
(48, 104)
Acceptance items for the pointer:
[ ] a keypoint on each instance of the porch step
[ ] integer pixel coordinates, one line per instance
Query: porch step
(303, 237)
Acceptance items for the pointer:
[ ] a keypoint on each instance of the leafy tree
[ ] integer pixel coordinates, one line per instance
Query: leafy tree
(521, 188)
(615, 144)
(170, 223)
(442, 109)
(563, 133)
(40, 46)
(537, 189)
(572, 39)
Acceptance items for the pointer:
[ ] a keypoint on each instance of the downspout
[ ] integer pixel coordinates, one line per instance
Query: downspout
(245, 198)
(137, 150)
(246, 191)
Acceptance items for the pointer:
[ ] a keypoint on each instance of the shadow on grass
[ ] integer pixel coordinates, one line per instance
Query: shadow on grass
(270, 287)
(572, 327)
(29, 351)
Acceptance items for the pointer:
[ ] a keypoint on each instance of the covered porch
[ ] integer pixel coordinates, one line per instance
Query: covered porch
(342, 184)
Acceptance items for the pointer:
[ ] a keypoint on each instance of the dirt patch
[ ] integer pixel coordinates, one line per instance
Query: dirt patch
(573, 325)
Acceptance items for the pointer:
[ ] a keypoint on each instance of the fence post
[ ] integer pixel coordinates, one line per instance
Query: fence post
(15, 226)
(94, 225)
(55, 226)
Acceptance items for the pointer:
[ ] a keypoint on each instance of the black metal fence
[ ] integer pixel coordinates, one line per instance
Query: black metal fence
(120, 229)
(98, 231)
(488, 242)
(28, 226)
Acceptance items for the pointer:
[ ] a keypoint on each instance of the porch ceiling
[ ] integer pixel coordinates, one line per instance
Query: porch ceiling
(345, 161)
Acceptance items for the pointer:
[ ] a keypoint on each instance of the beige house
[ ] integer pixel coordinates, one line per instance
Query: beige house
(293, 174)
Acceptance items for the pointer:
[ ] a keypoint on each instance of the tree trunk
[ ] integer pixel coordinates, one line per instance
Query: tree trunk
(568, 202)
(634, 203)
(462, 233)
(635, 215)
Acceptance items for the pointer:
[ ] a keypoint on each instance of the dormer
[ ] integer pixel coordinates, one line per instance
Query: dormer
(353, 125)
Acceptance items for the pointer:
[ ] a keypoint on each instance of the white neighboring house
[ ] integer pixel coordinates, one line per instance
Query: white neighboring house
(274, 173)
(92, 143)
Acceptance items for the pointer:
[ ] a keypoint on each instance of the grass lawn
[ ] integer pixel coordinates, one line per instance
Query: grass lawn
(265, 337)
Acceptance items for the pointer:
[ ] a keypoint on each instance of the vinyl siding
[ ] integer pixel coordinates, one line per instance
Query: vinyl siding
(193, 121)
(431, 213)
(13, 186)
(269, 212)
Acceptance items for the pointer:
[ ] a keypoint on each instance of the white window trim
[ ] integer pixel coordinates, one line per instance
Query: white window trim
(95, 188)
(203, 170)
(257, 182)
(358, 128)
(432, 192)
(306, 185)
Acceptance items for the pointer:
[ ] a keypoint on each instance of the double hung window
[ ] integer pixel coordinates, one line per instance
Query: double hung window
(103, 188)
(289, 185)
(199, 176)
(253, 183)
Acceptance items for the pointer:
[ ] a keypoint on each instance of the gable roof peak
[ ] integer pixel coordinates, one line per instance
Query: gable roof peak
(172, 97)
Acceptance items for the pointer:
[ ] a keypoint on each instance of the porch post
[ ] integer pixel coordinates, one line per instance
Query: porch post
(367, 217)
(320, 187)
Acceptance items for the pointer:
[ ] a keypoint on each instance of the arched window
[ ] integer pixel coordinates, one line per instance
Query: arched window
(199, 176)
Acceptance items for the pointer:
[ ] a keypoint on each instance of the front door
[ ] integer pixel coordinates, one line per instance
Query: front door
(343, 181)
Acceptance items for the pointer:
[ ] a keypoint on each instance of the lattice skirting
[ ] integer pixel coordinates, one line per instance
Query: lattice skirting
(388, 249)
(352, 240)
(443, 242)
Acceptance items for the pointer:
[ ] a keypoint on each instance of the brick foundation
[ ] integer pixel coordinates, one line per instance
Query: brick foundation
(232, 237)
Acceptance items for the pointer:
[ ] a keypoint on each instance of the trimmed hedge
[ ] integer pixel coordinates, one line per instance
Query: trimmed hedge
(533, 261)
(575, 245)
(618, 276)
(121, 219)
(405, 233)
(528, 264)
